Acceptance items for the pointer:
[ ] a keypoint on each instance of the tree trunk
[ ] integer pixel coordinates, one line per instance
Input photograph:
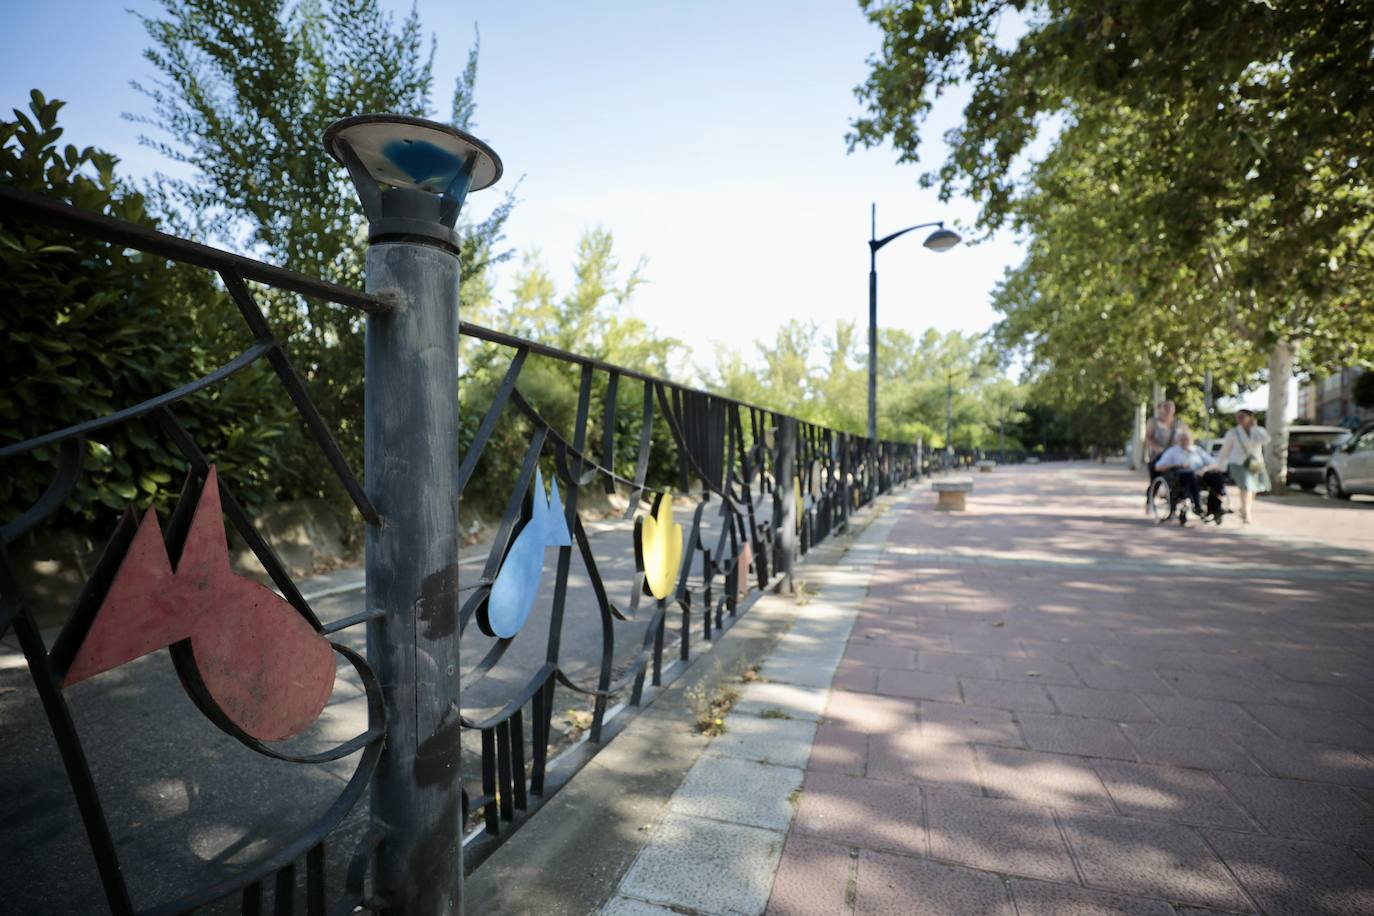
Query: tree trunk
(1276, 421)
(1137, 444)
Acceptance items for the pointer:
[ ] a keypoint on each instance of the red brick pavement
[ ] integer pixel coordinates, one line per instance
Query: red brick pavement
(1051, 706)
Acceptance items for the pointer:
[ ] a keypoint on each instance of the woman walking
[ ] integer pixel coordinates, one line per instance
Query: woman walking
(1242, 454)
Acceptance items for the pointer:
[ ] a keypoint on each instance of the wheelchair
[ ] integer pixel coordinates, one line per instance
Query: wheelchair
(1166, 500)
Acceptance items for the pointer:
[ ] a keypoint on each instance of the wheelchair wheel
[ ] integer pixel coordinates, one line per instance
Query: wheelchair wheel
(1159, 499)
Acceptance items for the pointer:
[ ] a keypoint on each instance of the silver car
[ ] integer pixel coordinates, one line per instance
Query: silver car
(1351, 468)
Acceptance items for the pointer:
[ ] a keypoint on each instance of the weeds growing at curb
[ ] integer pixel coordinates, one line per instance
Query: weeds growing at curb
(710, 708)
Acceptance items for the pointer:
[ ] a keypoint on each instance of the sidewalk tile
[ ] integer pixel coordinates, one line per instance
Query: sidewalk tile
(837, 749)
(1187, 747)
(855, 676)
(974, 724)
(1171, 794)
(1036, 898)
(797, 702)
(1206, 686)
(1101, 704)
(1072, 735)
(1191, 712)
(1143, 857)
(1319, 696)
(1037, 671)
(956, 664)
(1308, 760)
(994, 834)
(781, 742)
(1326, 726)
(812, 880)
(917, 685)
(726, 789)
(1056, 780)
(706, 865)
(862, 812)
(895, 886)
(1290, 878)
(798, 671)
(868, 712)
(1005, 695)
(868, 652)
(910, 755)
(1304, 810)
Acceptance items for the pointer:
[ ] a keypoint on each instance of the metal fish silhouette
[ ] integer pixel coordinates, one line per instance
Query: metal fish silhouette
(517, 584)
(658, 547)
(263, 664)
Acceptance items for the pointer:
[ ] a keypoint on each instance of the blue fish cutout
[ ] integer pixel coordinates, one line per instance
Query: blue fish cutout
(517, 584)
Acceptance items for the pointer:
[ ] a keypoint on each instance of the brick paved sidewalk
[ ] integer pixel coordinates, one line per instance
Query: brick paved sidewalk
(1048, 705)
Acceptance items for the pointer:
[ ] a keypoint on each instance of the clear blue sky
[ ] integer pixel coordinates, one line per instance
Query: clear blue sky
(708, 137)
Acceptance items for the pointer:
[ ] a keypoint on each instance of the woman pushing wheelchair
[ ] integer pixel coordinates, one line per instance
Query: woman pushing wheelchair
(1187, 469)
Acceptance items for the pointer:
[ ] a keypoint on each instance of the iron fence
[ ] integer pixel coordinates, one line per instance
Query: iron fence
(759, 488)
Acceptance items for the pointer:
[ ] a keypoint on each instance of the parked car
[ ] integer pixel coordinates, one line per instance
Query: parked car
(1309, 449)
(1351, 468)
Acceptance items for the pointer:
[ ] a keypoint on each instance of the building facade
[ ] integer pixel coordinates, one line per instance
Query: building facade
(1330, 401)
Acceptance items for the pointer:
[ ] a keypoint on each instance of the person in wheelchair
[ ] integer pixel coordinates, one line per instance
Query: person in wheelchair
(1191, 469)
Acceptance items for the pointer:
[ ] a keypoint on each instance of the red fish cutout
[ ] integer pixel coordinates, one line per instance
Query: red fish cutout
(265, 667)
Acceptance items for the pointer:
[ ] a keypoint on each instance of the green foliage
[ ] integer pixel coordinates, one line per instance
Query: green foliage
(824, 379)
(588, 320)
(91, 328)
(1208, 192)
(248, 88)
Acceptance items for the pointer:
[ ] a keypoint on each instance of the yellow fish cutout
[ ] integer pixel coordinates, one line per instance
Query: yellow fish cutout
(658, 547)
(801, 507)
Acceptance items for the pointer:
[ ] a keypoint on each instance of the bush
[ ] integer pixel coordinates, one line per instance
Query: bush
(91, 328)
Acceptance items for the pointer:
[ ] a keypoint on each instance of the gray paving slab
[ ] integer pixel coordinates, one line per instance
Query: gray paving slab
(740, 791)
(780, 742)
(799, 702)
(706, 866)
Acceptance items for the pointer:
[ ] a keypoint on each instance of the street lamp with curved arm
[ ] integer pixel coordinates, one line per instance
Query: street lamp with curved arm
(940, 240)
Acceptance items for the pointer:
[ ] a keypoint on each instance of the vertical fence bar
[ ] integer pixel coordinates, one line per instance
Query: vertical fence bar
(785, 502)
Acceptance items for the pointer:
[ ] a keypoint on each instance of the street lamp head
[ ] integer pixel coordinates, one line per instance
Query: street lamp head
(411, 175)
(942, 239)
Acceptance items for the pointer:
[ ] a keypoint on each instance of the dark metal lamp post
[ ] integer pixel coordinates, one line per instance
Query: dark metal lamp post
(940, 240)
(412, 177)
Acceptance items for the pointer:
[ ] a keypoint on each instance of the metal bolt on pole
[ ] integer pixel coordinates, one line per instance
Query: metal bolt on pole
(412, 177)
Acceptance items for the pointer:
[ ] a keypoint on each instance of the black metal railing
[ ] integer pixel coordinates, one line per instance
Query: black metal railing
(761, 490)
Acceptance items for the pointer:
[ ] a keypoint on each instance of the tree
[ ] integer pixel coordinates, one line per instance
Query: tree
(1228, 148)
(248, 88)
(91, 328)
(588, 320)
(823, 379)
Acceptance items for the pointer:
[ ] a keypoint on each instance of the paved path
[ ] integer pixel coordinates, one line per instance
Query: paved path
(1049, 705)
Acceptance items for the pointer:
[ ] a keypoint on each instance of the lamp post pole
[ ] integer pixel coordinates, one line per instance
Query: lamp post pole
(940, 240)
(949, 409)
(412, 177)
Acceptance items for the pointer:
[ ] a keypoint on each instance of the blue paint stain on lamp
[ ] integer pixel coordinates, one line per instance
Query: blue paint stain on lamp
(411, 175)
(512, 595)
